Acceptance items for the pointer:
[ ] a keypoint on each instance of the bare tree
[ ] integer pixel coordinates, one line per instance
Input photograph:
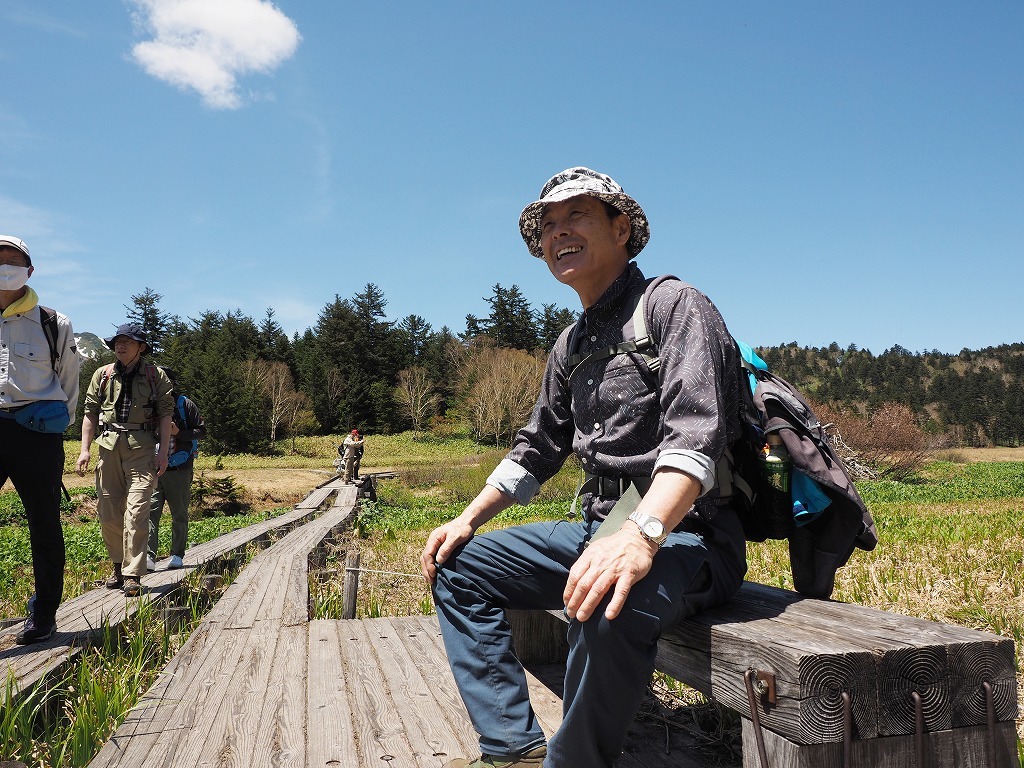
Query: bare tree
(415, 391)
(274, 381)
(280, 390)
(503, 389)
(299, 418)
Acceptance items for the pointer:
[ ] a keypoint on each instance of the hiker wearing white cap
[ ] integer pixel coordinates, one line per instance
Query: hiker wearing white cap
(39, 368)
(649, 431)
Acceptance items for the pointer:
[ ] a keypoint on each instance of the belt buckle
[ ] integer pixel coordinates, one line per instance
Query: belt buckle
(611, 487)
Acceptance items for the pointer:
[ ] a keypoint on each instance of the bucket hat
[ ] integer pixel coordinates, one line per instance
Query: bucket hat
(16, 242)
(132, 331)
(583, 181)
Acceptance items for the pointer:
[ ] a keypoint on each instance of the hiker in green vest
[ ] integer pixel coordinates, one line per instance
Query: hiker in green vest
(38, 376)
(649, 437)
(133, 397)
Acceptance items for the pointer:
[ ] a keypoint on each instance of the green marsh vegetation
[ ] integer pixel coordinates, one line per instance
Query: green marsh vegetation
(952, 549)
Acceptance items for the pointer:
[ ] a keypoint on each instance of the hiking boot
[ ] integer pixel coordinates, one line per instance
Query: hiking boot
(150, 563)
(34, 632)
(175, 562)
(534, 758)
(115, 580)
(132, 586)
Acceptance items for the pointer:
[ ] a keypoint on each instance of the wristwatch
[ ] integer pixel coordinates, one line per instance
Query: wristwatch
(651, 528)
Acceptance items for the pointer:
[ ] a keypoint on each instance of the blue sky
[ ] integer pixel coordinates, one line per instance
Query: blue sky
(848, 172)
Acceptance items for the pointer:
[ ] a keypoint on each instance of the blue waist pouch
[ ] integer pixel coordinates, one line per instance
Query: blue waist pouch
(44, 416)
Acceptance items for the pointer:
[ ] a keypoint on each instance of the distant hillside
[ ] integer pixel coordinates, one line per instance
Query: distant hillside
(977, 397)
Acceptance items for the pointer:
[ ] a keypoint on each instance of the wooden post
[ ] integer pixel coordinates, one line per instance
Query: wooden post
(351, 585)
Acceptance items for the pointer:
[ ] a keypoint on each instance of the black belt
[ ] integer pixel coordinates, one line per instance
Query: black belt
(613, 487)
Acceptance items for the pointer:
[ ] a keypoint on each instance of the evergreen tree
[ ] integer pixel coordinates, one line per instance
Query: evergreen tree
(551, 321)
(145, 311)
(273, 341)
(511, 321)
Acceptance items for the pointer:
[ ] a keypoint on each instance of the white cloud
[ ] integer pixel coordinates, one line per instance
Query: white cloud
(206, 45)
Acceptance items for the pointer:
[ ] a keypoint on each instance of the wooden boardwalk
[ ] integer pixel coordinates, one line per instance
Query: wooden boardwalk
(79, 619)
(259, 684)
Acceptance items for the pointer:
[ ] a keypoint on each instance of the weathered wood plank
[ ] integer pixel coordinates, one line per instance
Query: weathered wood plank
(428, 735)
(376, 719)
(152, 729)
(330, 732)
(959, 748)
(426, 647)
(225, 735)
(280, 734)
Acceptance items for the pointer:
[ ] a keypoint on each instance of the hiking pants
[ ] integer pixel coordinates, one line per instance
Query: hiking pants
(34, 462)
(175, 487)
(610, 662)
(125, 478)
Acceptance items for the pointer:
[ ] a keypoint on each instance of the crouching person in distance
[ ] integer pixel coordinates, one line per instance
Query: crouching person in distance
(649, 443)
(134, 398)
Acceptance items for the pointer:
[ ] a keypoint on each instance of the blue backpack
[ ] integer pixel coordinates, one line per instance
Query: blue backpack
(182, 455)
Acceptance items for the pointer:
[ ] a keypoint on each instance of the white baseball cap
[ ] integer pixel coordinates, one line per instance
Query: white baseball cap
(16, 242)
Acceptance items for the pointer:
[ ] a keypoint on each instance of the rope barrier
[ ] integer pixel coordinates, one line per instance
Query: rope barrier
(386, 573)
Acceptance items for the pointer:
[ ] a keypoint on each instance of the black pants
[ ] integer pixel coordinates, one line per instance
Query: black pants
(34, 461)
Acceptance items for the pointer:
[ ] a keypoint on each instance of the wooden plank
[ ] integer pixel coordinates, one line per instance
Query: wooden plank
(428, 736)
(330, 733)
(152, 729)
(225, 734)
(959, 748)
(376, 719)
(427, 648)
(280, 734)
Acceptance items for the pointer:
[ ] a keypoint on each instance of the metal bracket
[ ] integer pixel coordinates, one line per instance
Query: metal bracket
(765, 689)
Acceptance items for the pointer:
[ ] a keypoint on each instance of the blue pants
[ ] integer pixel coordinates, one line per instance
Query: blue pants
(610, 662)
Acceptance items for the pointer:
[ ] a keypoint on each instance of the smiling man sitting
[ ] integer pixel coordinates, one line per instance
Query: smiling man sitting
(649, 441)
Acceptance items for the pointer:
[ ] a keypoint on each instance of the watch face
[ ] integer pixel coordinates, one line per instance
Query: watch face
(653, 528)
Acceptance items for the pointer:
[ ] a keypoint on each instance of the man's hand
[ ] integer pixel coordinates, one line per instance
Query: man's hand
(161, 462)
(83, 462)
(615, 562)
(441, 542)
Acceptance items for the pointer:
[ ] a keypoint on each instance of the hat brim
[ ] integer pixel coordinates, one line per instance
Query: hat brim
(109, 341)
(530, 218)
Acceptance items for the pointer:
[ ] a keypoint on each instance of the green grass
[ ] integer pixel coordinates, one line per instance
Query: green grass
(950, 549)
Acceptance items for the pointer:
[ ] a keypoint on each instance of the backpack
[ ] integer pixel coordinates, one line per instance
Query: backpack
(823, 515)
(179, 457)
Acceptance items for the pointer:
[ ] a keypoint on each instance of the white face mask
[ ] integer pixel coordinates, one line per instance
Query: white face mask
(12, 278)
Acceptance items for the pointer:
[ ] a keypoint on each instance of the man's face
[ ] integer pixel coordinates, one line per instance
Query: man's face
(583, 247)
(126, 350)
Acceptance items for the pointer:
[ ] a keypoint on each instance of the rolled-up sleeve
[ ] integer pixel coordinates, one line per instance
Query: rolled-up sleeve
(514, 481)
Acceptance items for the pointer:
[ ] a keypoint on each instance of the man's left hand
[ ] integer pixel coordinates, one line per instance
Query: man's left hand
(613, 563)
